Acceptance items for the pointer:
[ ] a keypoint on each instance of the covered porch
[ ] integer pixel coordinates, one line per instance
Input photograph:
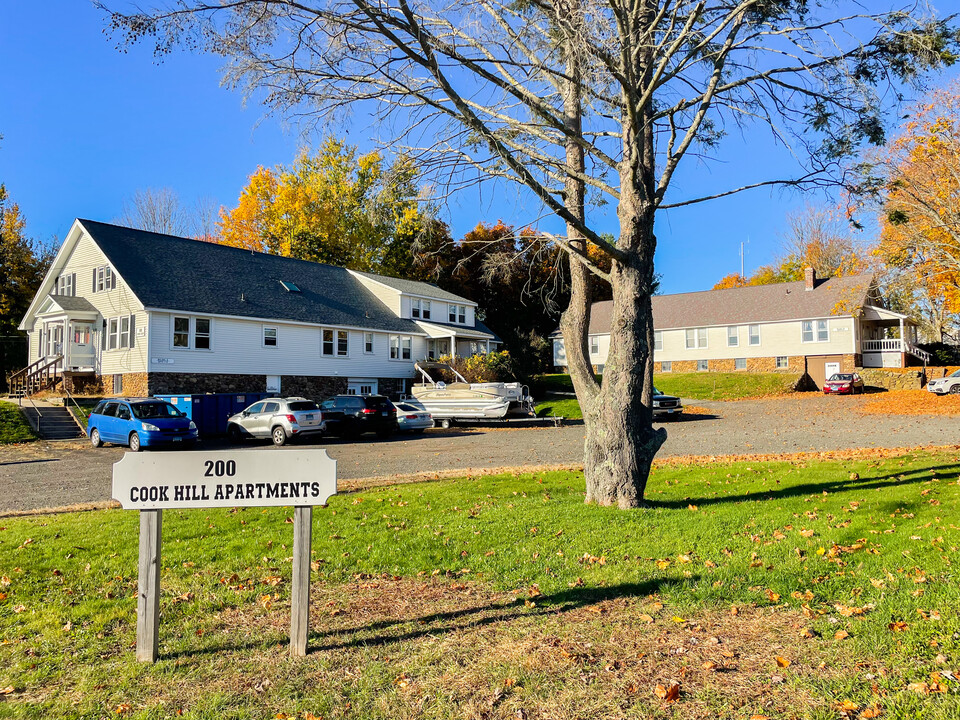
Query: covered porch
(68, 328)
(888, 339)
(445, 339)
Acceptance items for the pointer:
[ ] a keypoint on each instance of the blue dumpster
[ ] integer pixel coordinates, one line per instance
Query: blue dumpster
(210, 412)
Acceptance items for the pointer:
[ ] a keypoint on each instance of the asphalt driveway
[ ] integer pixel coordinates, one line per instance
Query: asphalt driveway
(41, 475)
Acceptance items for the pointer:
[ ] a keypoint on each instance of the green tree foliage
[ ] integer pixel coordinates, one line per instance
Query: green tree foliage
(23, 263)
(335, 206)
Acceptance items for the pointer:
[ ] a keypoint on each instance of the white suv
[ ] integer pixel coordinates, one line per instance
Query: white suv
(277, 418)
(949, 384)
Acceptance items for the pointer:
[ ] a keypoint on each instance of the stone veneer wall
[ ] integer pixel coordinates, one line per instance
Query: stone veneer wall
(312, 387)
(795, 364)
(393, 388)
(892, 379)
(169, 383)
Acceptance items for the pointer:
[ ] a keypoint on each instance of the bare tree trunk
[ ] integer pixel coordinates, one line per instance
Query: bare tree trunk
(575, 322)
(621, 441)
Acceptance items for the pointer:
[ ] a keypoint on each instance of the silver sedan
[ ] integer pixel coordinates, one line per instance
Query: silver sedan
(412, 419)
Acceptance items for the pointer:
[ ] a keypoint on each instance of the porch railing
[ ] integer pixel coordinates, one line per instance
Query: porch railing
(891, 345)
(35, 377)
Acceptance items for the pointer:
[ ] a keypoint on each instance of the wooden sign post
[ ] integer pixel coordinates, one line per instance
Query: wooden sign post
(152, 482)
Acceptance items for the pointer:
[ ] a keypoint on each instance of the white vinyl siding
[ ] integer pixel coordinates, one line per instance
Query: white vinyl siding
(777, 339)
(82, 263)
(237, 349)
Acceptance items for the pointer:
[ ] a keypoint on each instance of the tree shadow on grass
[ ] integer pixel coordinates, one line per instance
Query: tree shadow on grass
(379, 633)
(904, 477)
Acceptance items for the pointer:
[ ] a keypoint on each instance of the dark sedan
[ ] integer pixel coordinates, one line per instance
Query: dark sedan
(843, 384)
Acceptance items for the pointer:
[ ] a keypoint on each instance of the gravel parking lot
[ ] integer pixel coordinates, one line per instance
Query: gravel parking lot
(42, 475)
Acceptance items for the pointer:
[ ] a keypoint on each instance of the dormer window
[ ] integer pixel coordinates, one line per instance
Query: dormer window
(458, 314)
(420, 308)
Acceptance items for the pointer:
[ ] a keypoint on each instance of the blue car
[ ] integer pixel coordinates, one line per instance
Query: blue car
(141, 423)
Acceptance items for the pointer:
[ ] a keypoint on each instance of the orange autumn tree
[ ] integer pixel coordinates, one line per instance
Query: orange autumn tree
(920, 221)
(334, 206)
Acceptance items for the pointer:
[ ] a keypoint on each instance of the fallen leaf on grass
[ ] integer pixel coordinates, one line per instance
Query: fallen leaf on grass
(123, 708)
(265, 602)
(841, 635)
(8, 690)
(897, 626)
(782, 662)
(772, 596)
(645, 618)
(669, 693)
(871, 712)
(734, 611)
(709, 665)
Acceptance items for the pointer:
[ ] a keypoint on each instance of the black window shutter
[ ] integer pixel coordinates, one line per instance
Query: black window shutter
(103, 336)
(133, 329)
(73, 282)
(113, 280)
(94, 279)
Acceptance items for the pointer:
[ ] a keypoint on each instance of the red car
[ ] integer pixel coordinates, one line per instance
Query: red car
(843, 384)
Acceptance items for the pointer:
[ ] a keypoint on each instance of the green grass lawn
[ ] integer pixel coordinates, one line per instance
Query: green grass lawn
(14, 428)
(505, 597)
(82, 409)
(694, 386)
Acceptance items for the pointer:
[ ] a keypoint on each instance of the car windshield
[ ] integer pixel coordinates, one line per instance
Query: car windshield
(955, 373)
(151, 410)
(841, 377)
(302, 405)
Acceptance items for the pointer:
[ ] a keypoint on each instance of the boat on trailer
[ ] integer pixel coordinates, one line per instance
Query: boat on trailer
(461, 400)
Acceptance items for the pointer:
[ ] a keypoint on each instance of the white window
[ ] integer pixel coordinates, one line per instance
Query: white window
(733, 336)
(696, 338)
(594, 346)
(181, 332)
(103, 279)
(782, 362)
(666, 366)
(452, 317)
(113, 334)
(754, 334)
(65, 284)
(334, 343)
(415, 308)
(740, 364)
(703, 365)
(191, 333)
(400, 347)
(201, 333)
(462, 314)
(125, 331)
(822, 331)
(269, 337)
(426, 310)
(658, 340)
(368, 343)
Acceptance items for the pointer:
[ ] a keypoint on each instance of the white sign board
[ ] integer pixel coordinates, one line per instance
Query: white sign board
(251, 478)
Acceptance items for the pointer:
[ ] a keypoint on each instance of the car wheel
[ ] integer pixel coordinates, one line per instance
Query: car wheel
(955, 390)
(279, 436)
(134, 442)
(446, 423)
(233, 434)
(95, 439)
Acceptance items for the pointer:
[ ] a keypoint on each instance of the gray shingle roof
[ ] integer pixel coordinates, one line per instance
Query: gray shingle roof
(175, 273)
(73, 304)
(415, 287)
(752, 304)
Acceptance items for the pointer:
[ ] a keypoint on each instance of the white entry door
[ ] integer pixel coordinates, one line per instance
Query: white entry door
(361, 386)
(831, 369)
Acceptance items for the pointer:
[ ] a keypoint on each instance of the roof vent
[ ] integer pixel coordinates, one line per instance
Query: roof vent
(289, 286)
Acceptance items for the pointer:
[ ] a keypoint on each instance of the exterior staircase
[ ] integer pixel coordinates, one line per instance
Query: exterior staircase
(52, 422)
(40, 375)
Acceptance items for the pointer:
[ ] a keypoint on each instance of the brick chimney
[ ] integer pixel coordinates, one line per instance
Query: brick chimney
(809, 278)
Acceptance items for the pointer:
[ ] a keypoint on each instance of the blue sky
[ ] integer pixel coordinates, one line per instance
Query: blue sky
(85, 125)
